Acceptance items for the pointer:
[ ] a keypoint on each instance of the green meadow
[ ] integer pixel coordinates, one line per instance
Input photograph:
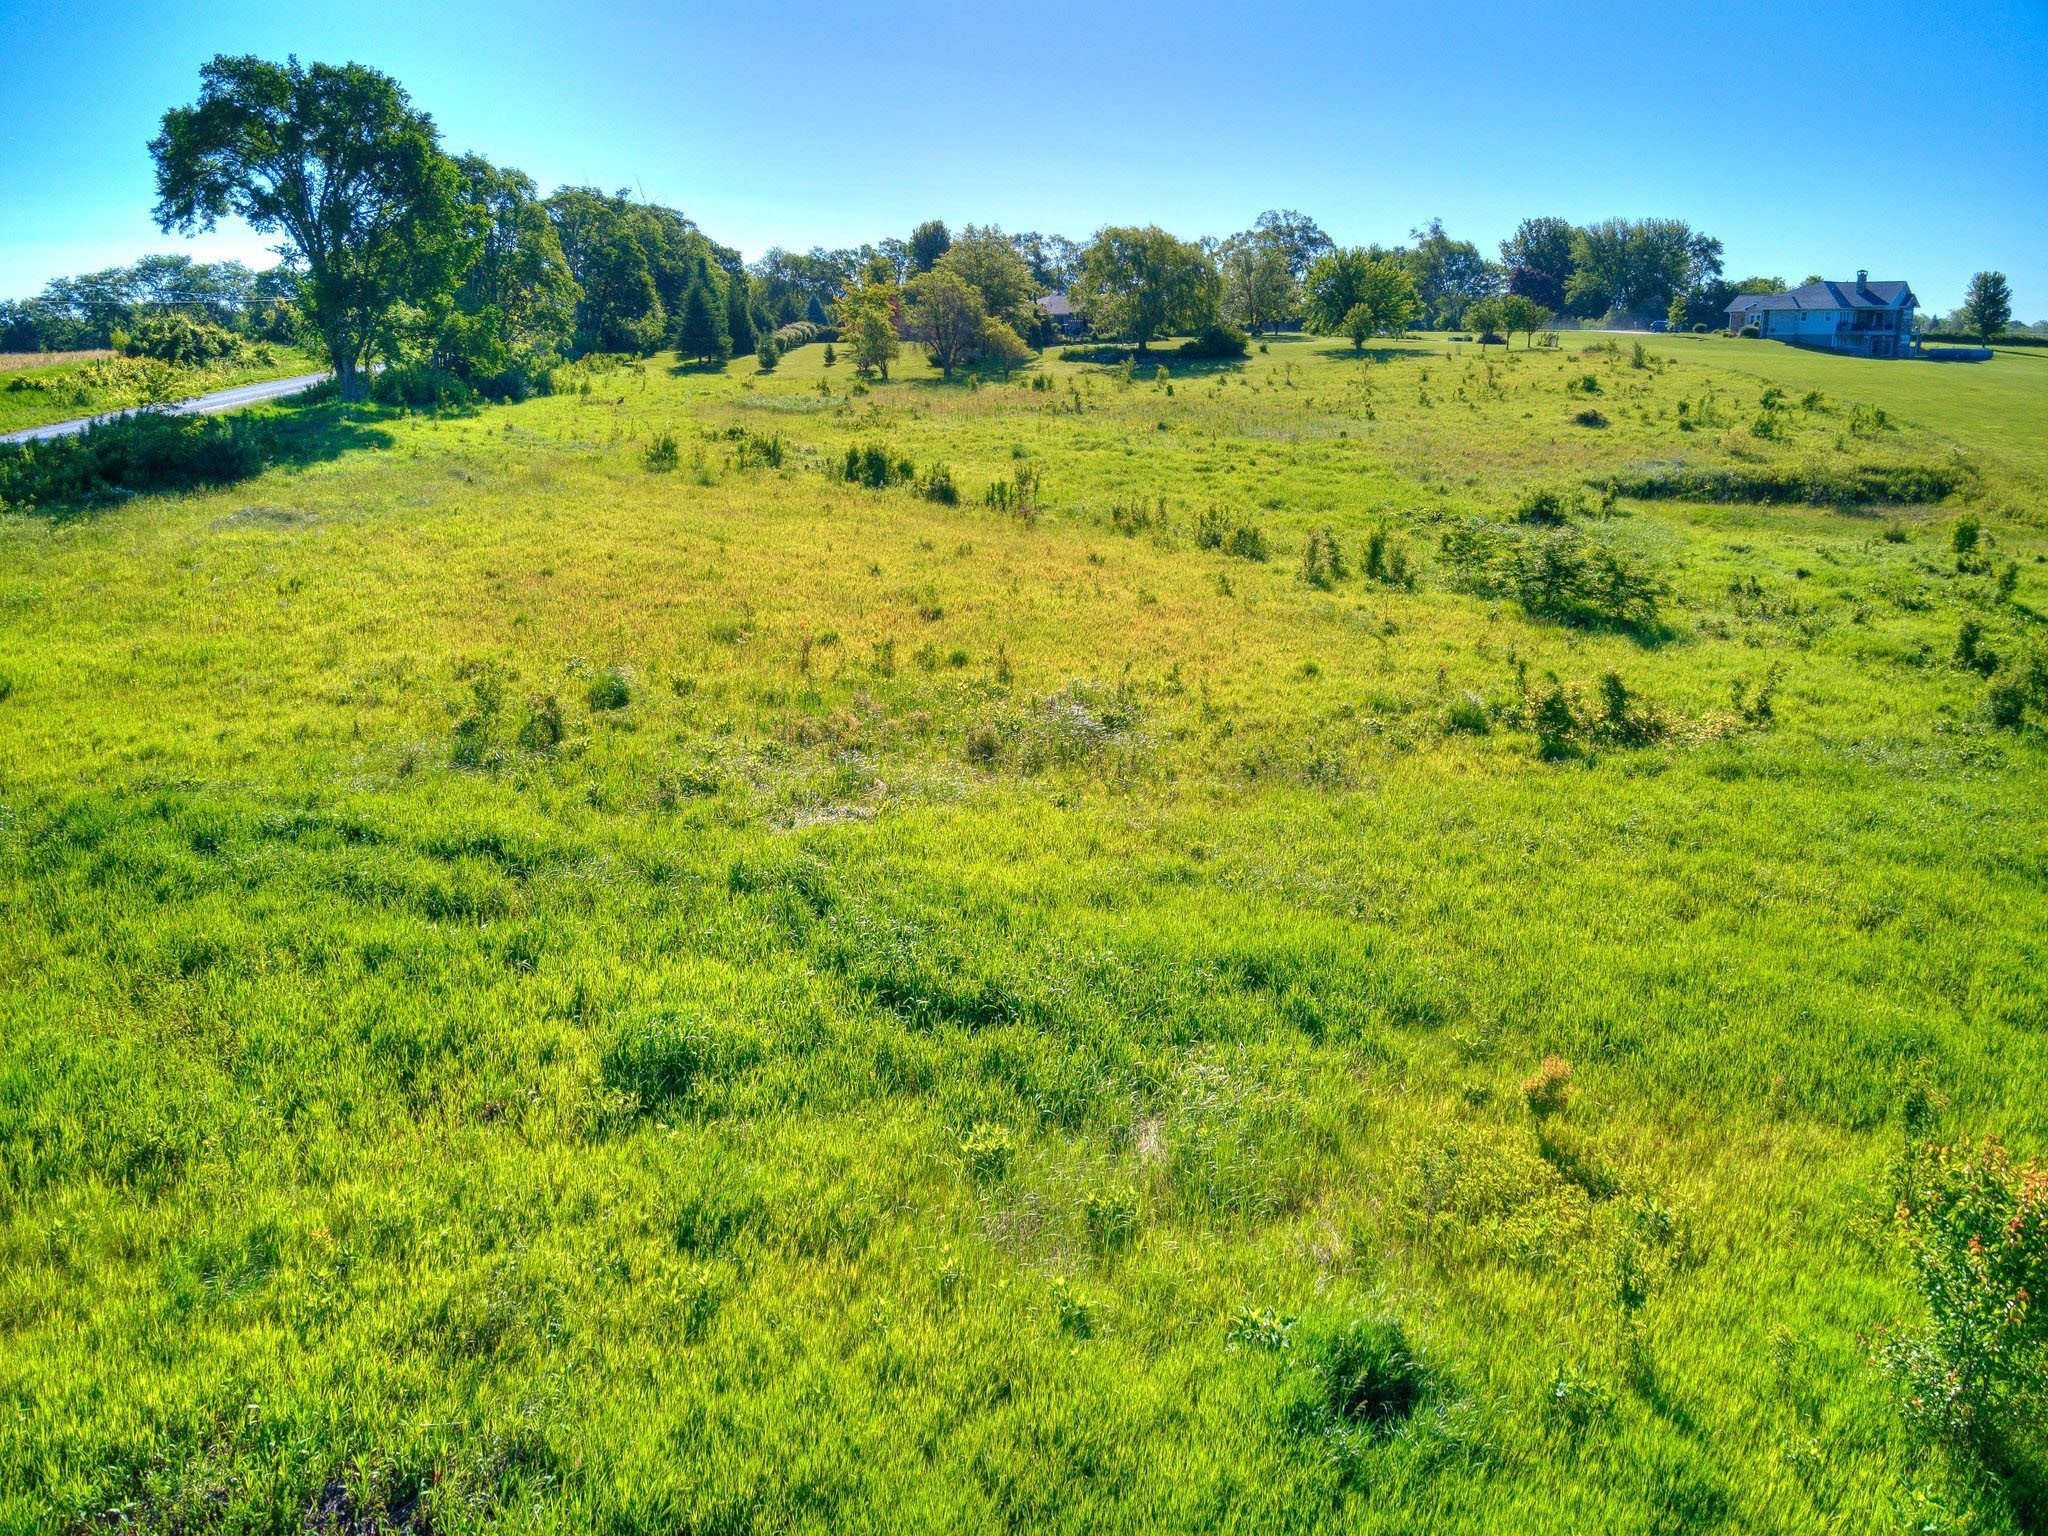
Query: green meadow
(727, 951)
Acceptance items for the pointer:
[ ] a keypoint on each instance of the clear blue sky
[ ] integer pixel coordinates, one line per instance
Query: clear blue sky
(1910, 140)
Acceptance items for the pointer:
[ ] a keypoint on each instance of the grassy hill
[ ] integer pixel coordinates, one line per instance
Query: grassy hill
(583, 967)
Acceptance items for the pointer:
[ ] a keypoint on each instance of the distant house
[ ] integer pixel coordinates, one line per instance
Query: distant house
(1864, 318)
(1063, 314)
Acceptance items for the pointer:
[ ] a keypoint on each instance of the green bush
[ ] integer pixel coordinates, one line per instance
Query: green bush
(1554, 573)
(420, 384)
(1214, 341)
(146, 452)
(1974, 1222)
(1363, 1376)
(183, 343)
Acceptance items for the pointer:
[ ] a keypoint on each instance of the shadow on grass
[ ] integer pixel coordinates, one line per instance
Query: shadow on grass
(67, 478)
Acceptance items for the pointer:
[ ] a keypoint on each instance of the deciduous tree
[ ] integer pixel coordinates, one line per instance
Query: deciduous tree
(947, 315)
(1987, 306)
(1519, 312)
(337, 161)
(987, 261)
(1538, 258)
(1258, 282)
(1140, 282)
(928, 242)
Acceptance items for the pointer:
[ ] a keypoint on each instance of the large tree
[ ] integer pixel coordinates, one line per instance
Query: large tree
(701, 334)
(1538, 258)
(1296, 236)
(1142, 282)
(1449, 275)
(1054, 260)
(1987, 306)
(987, 261)
(1634, 267)
(928, 242)
(1358, 293)
(1519, 312)
(1259, 286)
(337, 161)
(515, 309)
(867, 324)
(948, 317)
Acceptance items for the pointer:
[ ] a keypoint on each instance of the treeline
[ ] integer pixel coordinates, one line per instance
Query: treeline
(458, 274)
(97, 309)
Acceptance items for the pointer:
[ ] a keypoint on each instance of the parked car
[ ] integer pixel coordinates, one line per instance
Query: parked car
(1660, 326)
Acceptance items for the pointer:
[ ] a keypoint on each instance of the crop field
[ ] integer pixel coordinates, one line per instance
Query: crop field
(1339, 942)
(36, 394)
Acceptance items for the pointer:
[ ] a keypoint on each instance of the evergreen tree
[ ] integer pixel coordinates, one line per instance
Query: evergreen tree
(701, 336)
(815, 312)
(739, 322)
(767, 352)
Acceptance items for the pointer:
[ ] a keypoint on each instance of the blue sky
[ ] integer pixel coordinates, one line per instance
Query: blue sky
(1909, 140)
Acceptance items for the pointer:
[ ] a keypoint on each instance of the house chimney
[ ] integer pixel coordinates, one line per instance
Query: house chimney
(1862, 276)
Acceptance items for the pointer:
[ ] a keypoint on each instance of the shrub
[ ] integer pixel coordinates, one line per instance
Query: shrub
(1554, 573)
(1590, 418)
(1545, 507)
(876, 467)
(1548, 1089)
(937, 485)
(542, 729)
(768, 352)
(1363, 1375)
(421, 384)
(1974, 1223)
(1749, 330)
(1814, 484)
(1215, 341)
(1467, 713)
(1971, 651)
(142, 453)
(1213, 531)
(182, 342)
(1322, 560)
(608, 690)
(1386, 561)
(662, 454)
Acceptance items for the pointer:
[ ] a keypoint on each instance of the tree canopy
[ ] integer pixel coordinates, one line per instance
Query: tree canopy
(337, 161)
(1987, 306)
(1140, 283)
(928, 242)
(948, 316)
(1259, 285)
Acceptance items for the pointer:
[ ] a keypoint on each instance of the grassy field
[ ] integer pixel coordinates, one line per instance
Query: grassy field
(35, 396)
(574, 968)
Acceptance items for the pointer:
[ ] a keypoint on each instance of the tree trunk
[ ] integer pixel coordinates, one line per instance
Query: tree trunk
(349, 378)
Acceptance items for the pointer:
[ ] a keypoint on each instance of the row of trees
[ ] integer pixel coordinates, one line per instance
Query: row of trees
(394, 248)
(90, 310)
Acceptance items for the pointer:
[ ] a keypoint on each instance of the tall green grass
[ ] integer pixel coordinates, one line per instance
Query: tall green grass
(545, 992)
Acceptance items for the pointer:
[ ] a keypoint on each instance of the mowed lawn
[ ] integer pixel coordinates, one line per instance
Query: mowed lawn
(544, 992)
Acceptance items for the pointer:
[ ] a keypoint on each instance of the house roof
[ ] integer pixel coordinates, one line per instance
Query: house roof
(1056, 305)
(1825, 295)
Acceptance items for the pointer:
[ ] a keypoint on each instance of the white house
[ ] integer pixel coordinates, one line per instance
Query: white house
(1865, 318)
